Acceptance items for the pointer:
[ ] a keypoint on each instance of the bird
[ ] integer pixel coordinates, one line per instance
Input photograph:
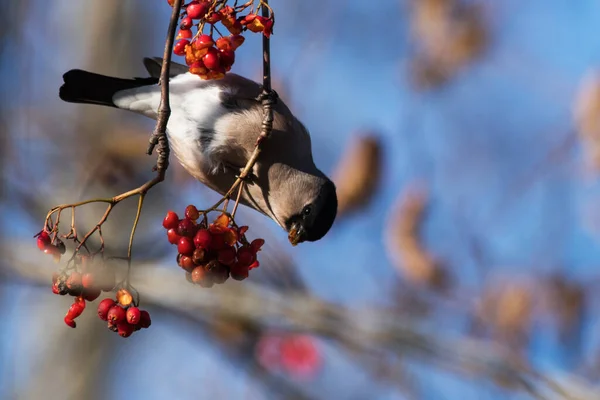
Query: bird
(212, 131)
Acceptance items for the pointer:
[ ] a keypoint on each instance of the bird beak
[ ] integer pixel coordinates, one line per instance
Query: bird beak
(296, 234)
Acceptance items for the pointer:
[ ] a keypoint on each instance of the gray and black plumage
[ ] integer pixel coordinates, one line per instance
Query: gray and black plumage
(213, 130)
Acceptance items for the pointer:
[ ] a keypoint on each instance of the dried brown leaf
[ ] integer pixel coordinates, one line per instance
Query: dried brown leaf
(357, 174)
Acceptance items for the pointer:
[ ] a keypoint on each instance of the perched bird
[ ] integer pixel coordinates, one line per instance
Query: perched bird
(213, 130)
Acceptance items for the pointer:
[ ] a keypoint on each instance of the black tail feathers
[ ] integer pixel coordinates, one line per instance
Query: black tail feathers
(90, 88)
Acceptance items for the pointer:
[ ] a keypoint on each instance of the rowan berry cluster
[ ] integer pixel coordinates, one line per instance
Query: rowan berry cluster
(122, 315)
(209, 58)
(211, 253)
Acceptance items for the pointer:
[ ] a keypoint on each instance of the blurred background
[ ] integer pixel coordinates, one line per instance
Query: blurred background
(464, 138)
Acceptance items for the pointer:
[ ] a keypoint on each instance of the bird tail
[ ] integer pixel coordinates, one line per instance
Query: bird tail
(90, 88)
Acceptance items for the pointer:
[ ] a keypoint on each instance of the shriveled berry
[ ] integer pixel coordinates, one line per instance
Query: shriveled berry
(171, 220)
(203, 239)
(192, 213)
(172, 236)
(75, 310)
(103, 308)
(227, 256)
(236, 41)
(197, 9)
(213, 18)
(186, 228)
(186, 23)
(91, 294)
(185, 246)
(133, 315)
(187, 263)
(180, 46)
(116, 314)
(70, 322)
(124, 329)
(198, 274)
(145, 320)
(257, 244)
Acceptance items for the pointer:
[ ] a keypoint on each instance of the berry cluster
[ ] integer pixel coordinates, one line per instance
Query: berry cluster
(122, 315)
(206, 57)
(45, 243)
(210, 253)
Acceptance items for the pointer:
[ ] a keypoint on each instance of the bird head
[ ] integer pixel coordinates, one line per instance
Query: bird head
(315, 212)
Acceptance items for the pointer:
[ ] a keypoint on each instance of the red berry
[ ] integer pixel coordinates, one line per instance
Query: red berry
(172, 236)
(133, 315)
(145, 320)
(76, 309)
(218, 242)
(43, 240)
(70, 322)
(184, 34)
(257, 244)
(74, 280)
(211, 59)
(198, 274)
(227, 58)
(255, 264)
(185, 246)
(186, 263)
(197, 10)
(186, 23)
(88, 280)
(91, 294)
(192, 213)
(103, 308)
(180, 46)
(186, 227)
(171, 220)
(245, 256)
(55, 289)
(203, 42)
(227, 256)
(116, 314)
(203, 239)
(124, 329)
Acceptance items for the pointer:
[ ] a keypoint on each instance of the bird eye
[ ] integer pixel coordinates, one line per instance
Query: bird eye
(306, 210)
